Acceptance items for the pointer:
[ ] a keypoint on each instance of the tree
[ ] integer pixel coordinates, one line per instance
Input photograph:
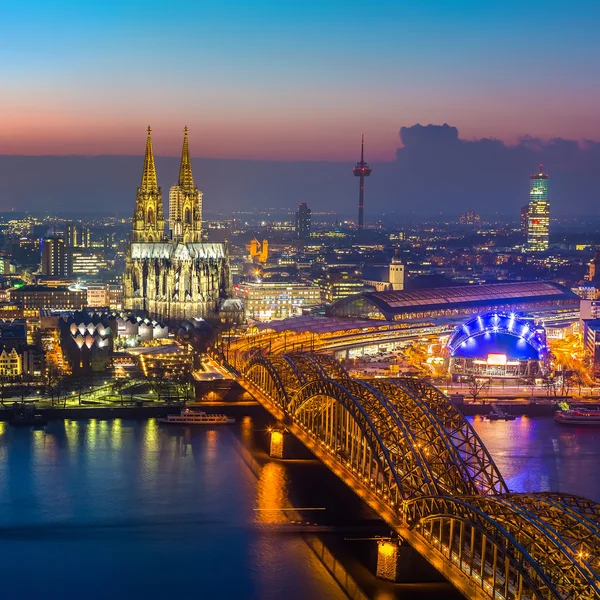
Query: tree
(156, 380)
(24, 385)
(550, 383)
(185, 386)
(52, 378)
(3, 384)
(477, 385)
(118, 386)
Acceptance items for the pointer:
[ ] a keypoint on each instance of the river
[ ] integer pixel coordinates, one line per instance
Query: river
(129, 509)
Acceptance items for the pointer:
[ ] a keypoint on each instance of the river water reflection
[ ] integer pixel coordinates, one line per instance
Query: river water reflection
(127, 509)
(538, 454)
(124, 509)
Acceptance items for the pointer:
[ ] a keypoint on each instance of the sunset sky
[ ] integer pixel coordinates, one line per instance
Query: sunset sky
(291, 80)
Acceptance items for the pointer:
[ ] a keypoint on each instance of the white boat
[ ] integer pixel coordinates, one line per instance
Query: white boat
(578, 416)
(192, 417)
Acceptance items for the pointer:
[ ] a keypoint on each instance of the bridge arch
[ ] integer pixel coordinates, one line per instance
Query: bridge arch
(442, 458)
(343, 425)
(565, 565)
(475, 461)
(261, 371)
(485, 551)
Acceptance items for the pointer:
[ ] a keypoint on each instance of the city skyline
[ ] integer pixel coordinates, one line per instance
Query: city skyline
(279, 82)
(222, 352)
(403, 187)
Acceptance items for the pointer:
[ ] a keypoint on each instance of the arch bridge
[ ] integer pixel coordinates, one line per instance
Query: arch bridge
(405, 448)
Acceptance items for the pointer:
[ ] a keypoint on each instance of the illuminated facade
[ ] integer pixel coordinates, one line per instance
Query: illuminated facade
(497, 345)
(538, 214)
(176, 276)
(34, 298)
(258, 253)
(98, 295)
(185, 202)
(276, 300)
(86, 262)
(11, 363)
(54, 257)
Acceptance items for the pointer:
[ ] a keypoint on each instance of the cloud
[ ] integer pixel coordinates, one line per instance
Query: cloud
(427, 135)
(437, 171)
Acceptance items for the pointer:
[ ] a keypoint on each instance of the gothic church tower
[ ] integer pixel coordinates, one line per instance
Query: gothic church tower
(178, 276)
(185, 202)
(148, 219)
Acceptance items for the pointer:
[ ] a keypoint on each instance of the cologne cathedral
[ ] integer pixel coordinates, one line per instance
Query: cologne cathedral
(173, 276)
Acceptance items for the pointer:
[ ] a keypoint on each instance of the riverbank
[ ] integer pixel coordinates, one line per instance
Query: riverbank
(543, 408)
(145, 411)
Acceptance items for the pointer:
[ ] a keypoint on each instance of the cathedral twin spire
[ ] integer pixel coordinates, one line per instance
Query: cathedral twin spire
(149, 179)
(186, 178)
(185, 202)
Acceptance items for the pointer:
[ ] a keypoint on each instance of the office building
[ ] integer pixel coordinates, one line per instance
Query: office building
(303, 221)
(33, 298)
(538, 214)
(77, 236)
(85, 262)
(54, 257)
(340, 284)
(276, 299)
(98, 295)
(591, 342)
(524, 218)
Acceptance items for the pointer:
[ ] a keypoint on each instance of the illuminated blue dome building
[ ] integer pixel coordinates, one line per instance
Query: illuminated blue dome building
(497, 345)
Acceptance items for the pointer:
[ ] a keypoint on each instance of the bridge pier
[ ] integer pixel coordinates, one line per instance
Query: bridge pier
(387, 560)
(400, 563)
(277, 443)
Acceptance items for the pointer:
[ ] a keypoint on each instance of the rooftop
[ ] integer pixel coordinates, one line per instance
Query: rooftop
(448, 297)
(320, 325)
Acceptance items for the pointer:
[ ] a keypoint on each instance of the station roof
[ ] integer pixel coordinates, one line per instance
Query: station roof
(321, 325)
(409, 301)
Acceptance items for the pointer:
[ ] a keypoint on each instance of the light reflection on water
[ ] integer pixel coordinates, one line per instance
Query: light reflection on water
(538, 454)
(125, 509)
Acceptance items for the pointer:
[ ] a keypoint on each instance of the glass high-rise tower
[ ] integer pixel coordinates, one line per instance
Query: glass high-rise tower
(538, 214)
(303, 221)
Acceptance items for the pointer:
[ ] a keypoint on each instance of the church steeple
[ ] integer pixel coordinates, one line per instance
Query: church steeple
(185, 202)
(149, 179)
(186, 178)
(148, 219)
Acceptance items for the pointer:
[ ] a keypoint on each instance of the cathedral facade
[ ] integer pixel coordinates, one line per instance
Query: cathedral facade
(174, 275)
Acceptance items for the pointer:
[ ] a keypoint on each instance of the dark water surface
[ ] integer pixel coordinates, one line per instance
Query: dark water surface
(538, 454)
(122, 509)
(126, 509)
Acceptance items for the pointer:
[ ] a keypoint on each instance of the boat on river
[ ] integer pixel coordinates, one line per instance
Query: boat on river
(497, 414)
(25, 415)
(578, 416)
(193, 417)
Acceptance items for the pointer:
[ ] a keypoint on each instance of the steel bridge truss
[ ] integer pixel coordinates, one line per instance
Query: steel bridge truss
(405, 447)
